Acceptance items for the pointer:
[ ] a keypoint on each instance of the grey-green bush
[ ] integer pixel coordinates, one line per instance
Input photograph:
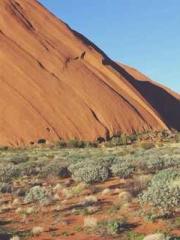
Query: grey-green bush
(163, 193)
(5, 187)
(112, 227)
(122, 169)
(55, 168)
(36, 193)
(91, 174)
(8, 172)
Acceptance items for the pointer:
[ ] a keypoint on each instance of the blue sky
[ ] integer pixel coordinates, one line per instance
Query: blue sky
(142, 33)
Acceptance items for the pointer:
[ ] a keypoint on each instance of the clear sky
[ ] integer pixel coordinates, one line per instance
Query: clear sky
(142, 33)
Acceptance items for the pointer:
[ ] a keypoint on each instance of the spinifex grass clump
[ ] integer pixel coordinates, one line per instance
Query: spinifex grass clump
(163, 193)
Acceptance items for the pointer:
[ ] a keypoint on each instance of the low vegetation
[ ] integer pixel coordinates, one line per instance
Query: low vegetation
(163, 193)
(112, 189)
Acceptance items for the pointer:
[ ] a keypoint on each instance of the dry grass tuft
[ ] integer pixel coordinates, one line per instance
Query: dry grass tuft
(36, 231)
(90, 222)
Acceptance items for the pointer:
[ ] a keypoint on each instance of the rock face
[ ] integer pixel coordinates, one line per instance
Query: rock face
(55, 84)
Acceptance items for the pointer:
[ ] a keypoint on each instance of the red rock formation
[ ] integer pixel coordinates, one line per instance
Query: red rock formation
(57, 84)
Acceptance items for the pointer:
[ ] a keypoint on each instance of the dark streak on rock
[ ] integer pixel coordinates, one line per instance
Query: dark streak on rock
(18, 11)
(44, 46)
(40, 64)
(50, 44)
(83, 55)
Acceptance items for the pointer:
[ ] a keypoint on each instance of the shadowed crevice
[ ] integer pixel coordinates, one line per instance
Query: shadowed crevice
(165, 104)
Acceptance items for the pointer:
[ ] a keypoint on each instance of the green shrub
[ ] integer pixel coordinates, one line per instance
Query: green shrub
(55, 168)
(4, 148)
(163, 193)
(41, 141)
(76, 166)
(147, 145)
(135, 236)
(74, 143)
(124, 139)
(139, 184)
(36, 193)
(112, 227)
(171, 161)
(8, 172)
(19, 158)
(177, 137)
(62, 144)
(92, 144)
(133, 137)
(154, 160)
(91, 174)
(122, 169)
(5, 188)
(30, 168)
(117, 141)
(151, 164)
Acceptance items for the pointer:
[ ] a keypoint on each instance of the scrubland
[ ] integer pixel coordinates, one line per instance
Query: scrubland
(90, 191)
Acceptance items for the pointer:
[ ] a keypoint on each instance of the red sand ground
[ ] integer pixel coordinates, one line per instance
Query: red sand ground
(64, 224)
(57, 84)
